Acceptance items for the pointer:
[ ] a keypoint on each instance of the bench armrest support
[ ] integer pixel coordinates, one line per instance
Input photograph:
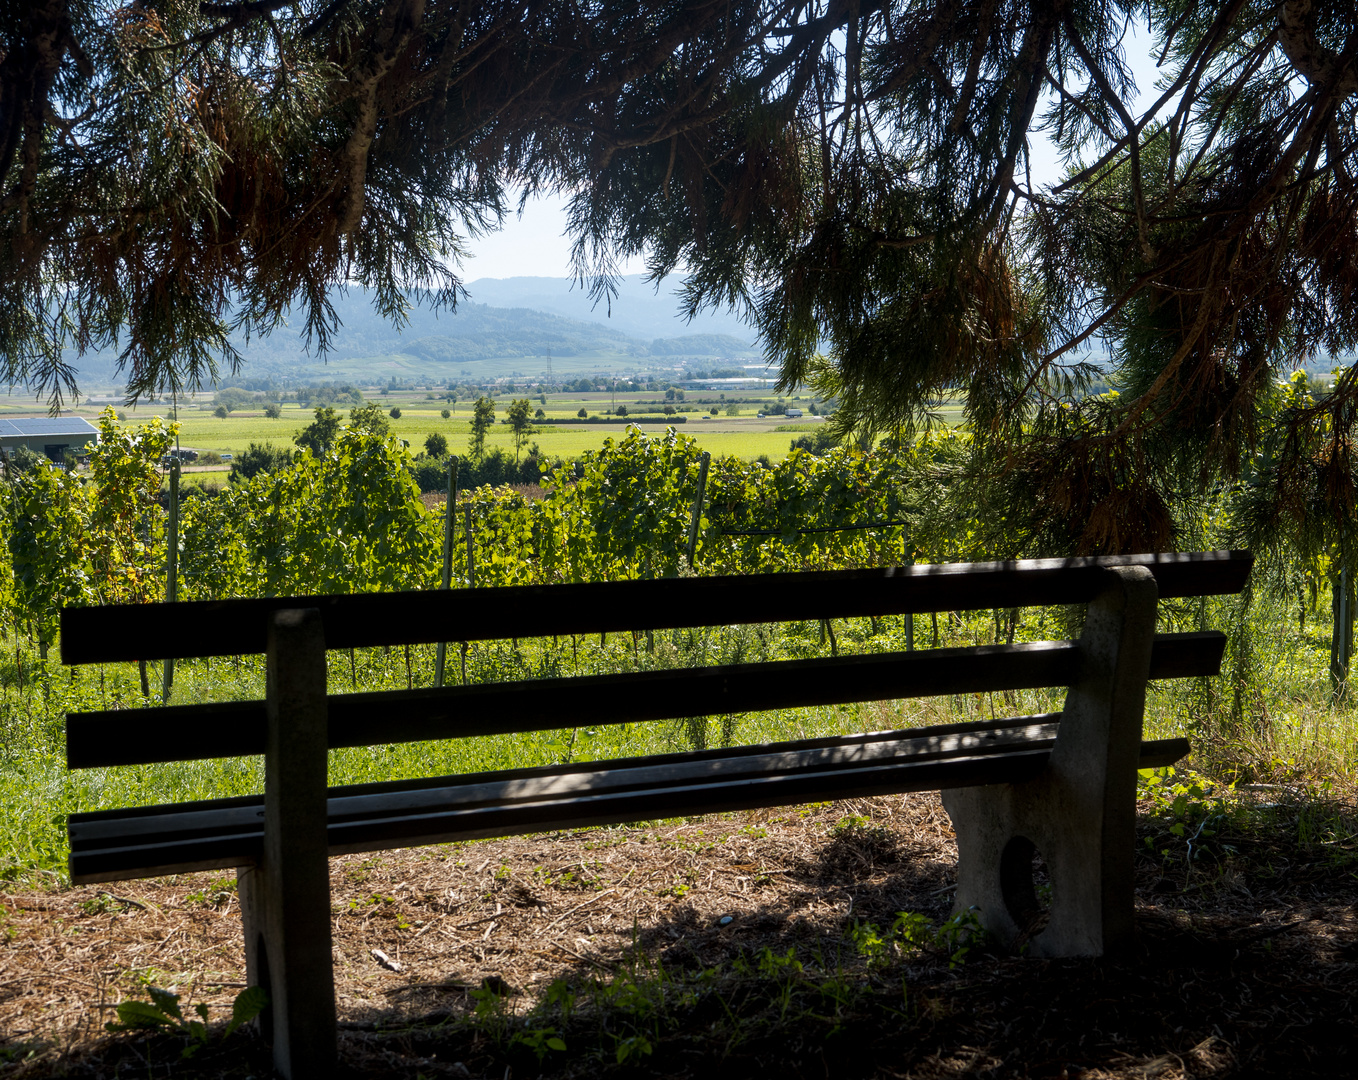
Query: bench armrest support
(1080, 813)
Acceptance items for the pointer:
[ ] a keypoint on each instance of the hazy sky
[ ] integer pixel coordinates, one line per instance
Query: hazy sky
(534, 245)
(530, 246)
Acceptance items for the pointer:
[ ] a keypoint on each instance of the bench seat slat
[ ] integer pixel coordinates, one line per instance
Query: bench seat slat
(123, 632)
(503, 787)
(111, 845)
(611, 808)
(229, 729)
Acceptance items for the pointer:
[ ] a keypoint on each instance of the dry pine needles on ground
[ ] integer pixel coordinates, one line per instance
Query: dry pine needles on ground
(738, 945)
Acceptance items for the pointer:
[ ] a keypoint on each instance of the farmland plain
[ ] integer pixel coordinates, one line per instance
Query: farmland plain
(744, 435)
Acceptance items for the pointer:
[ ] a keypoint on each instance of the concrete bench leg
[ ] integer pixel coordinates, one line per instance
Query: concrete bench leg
(285, 900)
(1081, 813)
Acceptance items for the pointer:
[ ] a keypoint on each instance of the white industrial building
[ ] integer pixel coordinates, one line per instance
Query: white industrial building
(51, 436)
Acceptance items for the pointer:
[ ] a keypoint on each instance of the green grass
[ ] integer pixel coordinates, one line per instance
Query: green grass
(37, 791)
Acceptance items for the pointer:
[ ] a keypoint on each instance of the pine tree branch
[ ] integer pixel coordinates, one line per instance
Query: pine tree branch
(400, 19)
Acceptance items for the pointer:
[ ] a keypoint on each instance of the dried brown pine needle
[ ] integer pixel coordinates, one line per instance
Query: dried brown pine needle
(1241, 964)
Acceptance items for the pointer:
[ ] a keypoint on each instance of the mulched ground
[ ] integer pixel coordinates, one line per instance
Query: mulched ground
(1244, 966)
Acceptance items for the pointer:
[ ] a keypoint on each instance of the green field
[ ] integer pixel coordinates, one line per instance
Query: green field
(744, 436)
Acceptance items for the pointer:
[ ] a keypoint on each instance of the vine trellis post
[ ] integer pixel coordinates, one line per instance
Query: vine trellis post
(171, 567)
(447, 558)
(696, 516)
(1341, 639)
(910, 617)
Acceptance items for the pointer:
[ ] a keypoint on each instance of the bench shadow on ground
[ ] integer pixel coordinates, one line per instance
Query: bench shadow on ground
(1239, 969)
(1211, 990)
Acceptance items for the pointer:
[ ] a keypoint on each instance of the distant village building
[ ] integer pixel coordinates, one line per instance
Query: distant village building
(48, 435)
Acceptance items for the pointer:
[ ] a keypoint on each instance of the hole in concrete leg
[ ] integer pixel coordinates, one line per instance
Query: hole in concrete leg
(265, 1018)
(1026, 885)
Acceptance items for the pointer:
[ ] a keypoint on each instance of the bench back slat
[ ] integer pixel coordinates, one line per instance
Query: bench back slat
(232, 729)
(125, 632)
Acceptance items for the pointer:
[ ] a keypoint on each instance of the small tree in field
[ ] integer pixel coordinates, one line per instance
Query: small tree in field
(219, 412)
(520, 416)
(436, 446)
(369, 418)
(319, 435)
(483, 417)
(445, 414)
(583, 413)
(395, 413)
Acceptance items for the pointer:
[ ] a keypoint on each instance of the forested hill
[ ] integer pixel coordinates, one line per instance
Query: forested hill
(367, 345)
(640, 309)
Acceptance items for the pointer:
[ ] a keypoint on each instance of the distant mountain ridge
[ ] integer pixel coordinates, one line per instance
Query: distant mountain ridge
(640, 310)
(536, 324)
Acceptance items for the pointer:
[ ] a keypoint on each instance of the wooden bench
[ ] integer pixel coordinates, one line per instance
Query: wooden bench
(1063, 783)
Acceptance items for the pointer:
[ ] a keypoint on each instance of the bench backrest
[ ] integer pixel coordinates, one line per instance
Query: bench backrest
(123, 632)
(235, 627)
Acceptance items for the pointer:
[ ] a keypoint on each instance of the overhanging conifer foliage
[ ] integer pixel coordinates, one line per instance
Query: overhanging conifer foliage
(857, 173)
(1209, 242)
(170, 167)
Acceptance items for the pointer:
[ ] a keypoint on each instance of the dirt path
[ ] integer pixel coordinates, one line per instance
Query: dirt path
(1245, 964)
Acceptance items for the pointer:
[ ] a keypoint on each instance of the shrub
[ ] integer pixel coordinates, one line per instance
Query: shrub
(273, 412)
(257, 459)
(583, 414)
(369, 418)
(495, 468)
(436, 446)
(395, 413)
(445, 414)
(21, 459)
(817, 443)
(430, 474)
(321, 433)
